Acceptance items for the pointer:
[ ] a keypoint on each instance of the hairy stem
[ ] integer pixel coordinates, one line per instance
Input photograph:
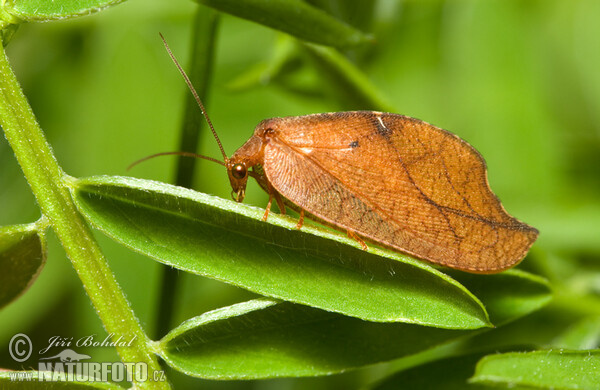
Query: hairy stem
(50, 187)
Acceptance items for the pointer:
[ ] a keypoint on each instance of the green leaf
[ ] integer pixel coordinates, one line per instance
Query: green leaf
(554, 369)
(25, 380)
(283, 339)
(43, 10)
(228, 241)
(22, 256)
(512, 293)
(294, 17)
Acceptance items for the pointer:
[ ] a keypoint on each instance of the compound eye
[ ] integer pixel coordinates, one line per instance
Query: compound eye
(239, 171)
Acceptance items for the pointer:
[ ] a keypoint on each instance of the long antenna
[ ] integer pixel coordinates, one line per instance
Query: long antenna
(191, 87)
(185, 154)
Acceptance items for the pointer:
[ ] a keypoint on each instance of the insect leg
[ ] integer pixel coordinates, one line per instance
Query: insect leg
(300, 220)
(280, 203)
(353, 235)
(264, 218)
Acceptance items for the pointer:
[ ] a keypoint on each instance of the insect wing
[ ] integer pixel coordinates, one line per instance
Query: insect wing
(400, 182)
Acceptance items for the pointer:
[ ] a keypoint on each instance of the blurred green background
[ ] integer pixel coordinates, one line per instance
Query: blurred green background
(519, 80)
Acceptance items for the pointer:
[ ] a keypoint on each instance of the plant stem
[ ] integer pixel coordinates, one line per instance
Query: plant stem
(201, 63)
(50, 187)
(202, 58)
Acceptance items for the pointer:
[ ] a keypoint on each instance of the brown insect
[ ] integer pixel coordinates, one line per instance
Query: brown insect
(393, 180)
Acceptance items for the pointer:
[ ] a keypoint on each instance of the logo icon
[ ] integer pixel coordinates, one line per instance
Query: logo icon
(67, 356)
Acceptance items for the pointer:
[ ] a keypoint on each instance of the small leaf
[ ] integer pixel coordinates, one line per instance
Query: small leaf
(346, 82)
(555, 369)
(584, 334)
(294, 17)
(22, 256)
(283, 339)
(228, 241)
(25, 380)
(7, 31)
(284, 52)
(44, 10)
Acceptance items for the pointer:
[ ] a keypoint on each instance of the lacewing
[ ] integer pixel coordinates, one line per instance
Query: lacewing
(390, 179)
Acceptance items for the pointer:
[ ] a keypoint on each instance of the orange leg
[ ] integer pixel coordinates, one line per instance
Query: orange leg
(268, 209)
(300, 220)
(353, 235)
(280, 203)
